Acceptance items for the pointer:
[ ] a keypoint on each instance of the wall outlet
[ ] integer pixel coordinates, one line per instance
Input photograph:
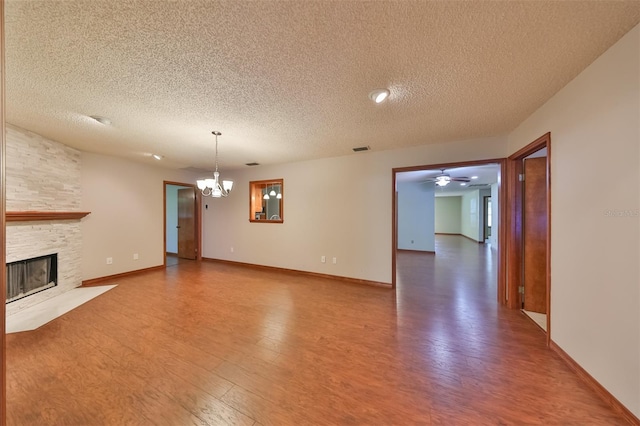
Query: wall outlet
(109, 260)
(335, 260)
(323, 259)
(135, 256)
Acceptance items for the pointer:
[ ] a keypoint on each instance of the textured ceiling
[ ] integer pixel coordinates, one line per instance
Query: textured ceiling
(288, 81)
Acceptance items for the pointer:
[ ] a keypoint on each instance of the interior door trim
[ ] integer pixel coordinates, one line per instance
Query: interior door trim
(502, 195)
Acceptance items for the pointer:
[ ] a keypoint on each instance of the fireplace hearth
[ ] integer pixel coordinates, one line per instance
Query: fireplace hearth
(30, 276)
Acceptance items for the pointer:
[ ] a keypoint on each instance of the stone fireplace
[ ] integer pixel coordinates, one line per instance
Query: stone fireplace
(43, 176)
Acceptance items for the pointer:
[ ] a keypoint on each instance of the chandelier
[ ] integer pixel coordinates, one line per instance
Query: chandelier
(211, 187)
(268, 195)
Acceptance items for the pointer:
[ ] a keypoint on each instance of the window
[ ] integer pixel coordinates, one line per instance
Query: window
(266, 201)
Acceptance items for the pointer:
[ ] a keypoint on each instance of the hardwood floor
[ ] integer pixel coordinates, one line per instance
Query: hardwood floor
(209, 343)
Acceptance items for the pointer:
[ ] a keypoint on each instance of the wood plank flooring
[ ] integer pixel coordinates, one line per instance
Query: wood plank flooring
(217, 344)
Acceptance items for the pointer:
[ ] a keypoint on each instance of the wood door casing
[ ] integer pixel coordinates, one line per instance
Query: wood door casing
(186, 223)
(535, 224)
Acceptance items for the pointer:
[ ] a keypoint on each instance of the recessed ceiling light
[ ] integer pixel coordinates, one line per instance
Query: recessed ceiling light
(157, 156)
(101, 120)
(463, 184)
(474, 177)
(379, 95)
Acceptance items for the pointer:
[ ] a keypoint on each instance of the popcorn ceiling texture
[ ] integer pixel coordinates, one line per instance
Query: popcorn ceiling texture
(43, 175)
(288, 81)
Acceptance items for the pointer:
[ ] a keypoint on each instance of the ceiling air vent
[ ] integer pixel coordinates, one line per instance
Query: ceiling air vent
(478, 185)
(361, 148)
(252, 164)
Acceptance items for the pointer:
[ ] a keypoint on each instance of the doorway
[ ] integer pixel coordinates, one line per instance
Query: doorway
(487, 216)
(476, 233)
(528, 242)
(182, 223)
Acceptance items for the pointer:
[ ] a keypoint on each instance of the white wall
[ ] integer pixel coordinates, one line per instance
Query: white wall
(495, 214)
(126, 203)
(416, 217)
(172, 218)
(595, 230)
(470, 215)
(334, 207)
(448, 215)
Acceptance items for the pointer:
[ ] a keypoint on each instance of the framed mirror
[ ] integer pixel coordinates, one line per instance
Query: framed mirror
(266, 201)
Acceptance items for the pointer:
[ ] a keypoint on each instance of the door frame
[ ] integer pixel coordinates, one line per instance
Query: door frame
(514, 224)
(197, 218)
(502, 228)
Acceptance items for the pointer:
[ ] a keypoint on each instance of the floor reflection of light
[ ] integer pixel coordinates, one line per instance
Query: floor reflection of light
(464, 275)
(275, 322)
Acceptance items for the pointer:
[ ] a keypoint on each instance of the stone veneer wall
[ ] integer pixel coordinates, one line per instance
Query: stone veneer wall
(43, 175)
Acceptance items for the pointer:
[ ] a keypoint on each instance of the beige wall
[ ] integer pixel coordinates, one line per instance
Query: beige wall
(125, 200)
(447, 215)
(333, 207)
(595, 231)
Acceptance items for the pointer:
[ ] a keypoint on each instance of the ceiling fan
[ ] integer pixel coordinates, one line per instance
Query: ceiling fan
(444, 179)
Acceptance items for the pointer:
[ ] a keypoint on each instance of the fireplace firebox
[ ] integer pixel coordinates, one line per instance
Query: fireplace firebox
(30, 276)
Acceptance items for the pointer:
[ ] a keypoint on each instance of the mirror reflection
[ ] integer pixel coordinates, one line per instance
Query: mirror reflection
(266, 201)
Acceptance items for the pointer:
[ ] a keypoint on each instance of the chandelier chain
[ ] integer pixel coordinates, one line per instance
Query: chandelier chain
(216, 134)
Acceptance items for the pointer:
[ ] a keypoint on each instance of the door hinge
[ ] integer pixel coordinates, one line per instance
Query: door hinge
(521, 289)
(521, 177)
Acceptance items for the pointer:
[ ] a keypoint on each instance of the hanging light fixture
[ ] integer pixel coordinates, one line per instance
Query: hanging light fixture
(211, 187)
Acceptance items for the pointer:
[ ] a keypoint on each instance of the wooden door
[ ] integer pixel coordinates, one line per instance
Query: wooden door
(535, 234)
(186, 223)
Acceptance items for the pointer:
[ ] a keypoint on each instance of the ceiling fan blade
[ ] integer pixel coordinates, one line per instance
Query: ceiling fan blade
(461, 179)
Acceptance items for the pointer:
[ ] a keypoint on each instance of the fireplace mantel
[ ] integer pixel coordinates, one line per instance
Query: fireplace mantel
(31, 216)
